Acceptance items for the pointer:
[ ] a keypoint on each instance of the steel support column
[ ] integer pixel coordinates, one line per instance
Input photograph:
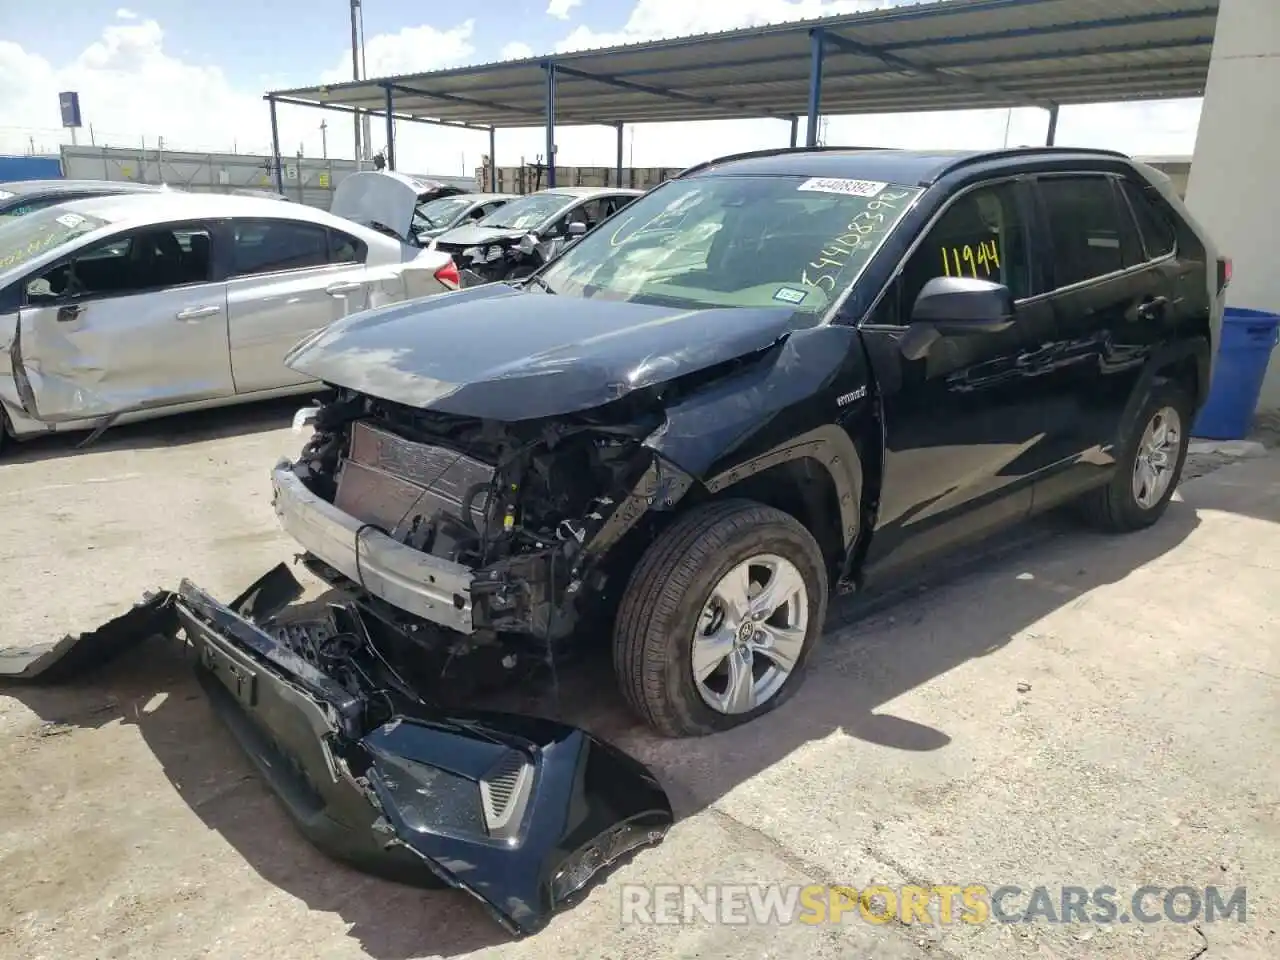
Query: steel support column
(1053, 126)
(391, 129)
(817, 47)
(275, 146)
(795, 131)
(550, 68)
(619, 154)
(493, 160)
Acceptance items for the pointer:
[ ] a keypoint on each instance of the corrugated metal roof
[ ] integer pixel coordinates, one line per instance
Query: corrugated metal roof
(956, 54)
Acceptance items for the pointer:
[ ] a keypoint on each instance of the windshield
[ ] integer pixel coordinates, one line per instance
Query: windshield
(16, 206)
(527, 212)
(439, 212)
(735, 242)
(24, 238)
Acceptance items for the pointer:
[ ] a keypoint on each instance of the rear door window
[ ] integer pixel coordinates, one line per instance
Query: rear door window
(1157, 232)
(346, 249)
(269, 246)
(1090, 232)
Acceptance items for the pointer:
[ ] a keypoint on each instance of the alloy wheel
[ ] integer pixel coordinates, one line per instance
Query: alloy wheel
(750, 634)
(1157, 457)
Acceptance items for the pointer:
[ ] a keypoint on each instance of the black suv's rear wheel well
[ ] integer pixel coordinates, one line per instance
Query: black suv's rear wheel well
(804, 489)
(1186, 374)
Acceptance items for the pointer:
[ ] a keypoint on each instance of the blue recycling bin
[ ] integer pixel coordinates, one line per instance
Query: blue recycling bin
(1248, 337)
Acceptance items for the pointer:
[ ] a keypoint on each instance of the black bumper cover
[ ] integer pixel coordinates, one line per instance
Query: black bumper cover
(521, 812)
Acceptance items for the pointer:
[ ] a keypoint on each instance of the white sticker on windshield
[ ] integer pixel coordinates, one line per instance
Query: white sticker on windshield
(850, 188)
(70, 220)
(5, 194)
(790, 294)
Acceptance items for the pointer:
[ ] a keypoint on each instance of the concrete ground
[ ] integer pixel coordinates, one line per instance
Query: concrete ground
(1076, 709)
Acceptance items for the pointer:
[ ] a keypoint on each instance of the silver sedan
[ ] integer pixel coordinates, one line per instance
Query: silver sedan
(130, 307)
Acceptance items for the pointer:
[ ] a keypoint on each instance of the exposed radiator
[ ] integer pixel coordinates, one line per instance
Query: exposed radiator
(388, 480)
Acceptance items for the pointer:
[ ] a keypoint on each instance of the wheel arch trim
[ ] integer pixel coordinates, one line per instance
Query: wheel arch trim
(828, 445)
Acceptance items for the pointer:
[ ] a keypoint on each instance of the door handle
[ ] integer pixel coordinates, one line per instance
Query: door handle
(195, 313)
(70, 312)
(1152, 308)
(342, 287)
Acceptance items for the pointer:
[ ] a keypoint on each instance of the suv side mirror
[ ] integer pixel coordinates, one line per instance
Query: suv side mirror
(577, 228)
(955, 306)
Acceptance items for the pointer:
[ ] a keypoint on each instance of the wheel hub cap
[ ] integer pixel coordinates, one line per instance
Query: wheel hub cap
(750, 634)
(1156, 458)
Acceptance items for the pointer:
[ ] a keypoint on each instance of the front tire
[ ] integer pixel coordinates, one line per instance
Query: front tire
(1149, 465)
(719, 618)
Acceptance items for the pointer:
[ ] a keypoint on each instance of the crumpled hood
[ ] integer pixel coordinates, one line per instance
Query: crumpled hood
(499, 353)
(471, 235)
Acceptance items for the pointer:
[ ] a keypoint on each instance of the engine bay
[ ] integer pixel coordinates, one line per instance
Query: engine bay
(531, 508)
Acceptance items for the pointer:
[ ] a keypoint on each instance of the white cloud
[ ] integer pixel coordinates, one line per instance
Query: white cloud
(130, 89)
(659, 19)
(124, 13)
(411, 50)
(134, 91)
(560, 9)
(515, 51)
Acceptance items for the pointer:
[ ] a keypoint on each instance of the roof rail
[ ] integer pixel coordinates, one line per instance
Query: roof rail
(773, 152)
(1012, 152)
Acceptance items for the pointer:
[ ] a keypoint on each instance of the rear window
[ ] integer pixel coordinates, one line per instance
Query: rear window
(23, 239)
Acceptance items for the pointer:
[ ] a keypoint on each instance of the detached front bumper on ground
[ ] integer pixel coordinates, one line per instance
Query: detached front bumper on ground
(521, 812)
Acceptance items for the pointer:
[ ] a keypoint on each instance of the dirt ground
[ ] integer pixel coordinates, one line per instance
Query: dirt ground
(1066, 709)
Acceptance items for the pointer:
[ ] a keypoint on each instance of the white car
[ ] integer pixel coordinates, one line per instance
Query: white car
(124, 308)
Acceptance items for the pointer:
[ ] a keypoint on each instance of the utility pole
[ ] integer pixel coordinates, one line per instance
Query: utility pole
(324, 140)
(355, 70)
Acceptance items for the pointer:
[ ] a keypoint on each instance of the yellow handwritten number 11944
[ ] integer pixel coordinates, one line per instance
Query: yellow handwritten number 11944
(968, 260)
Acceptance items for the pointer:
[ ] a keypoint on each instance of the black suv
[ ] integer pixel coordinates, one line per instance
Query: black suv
(777, 374)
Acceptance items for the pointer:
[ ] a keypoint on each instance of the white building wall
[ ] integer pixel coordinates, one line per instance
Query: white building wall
(1234, 186)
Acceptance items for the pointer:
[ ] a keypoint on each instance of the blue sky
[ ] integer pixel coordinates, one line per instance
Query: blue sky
(193, 73)
(292, 41)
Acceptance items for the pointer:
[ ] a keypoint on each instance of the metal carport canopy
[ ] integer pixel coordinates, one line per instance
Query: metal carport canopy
(952, 55)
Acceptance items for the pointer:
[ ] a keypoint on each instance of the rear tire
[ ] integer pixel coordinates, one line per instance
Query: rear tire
(1148, 466)
(680, 603)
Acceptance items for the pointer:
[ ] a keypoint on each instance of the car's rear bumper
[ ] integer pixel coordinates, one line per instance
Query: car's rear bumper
(432, 588)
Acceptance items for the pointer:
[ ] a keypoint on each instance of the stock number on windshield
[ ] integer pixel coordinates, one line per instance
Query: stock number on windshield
(861, 232)
(979, 260)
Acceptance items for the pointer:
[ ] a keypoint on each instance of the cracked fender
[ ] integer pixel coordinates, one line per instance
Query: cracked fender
(785, 408)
